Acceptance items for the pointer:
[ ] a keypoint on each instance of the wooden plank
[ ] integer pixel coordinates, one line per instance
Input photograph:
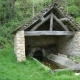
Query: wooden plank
(56, 33)
(43, 20)
(64, 19)
(51, 22)
(59, 21)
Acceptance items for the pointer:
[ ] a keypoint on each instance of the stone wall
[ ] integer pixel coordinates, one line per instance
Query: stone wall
(40, 41)
(19, 46)
(70, 45)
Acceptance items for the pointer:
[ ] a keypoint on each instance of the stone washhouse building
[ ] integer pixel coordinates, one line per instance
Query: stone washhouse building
(52, 30)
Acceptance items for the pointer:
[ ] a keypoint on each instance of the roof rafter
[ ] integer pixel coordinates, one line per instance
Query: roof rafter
(59, 21)
(43, 20)
(51, 16)
(58, 10)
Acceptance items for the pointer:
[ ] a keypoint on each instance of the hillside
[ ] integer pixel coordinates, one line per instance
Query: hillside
(29, 70)
(16, 12)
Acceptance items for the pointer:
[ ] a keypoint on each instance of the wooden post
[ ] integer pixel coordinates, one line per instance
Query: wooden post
(51, 22)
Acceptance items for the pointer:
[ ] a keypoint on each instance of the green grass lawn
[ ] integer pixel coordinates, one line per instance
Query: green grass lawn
(29, 70)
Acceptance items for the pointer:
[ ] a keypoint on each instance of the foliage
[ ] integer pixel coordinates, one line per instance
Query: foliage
(29, 70)
(15, 12)
(6, 10)
(5, 32)
(73, 10)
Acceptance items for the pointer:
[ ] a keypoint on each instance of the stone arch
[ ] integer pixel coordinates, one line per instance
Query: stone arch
(37, 53)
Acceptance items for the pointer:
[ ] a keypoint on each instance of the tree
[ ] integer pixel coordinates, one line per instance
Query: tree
(74, 7)
(6, 10)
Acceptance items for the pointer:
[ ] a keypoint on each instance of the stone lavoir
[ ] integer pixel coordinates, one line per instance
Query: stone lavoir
(51, 31)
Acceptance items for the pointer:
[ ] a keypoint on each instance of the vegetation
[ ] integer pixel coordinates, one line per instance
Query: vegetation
(73, 8)
(29, 70)
(16, 12)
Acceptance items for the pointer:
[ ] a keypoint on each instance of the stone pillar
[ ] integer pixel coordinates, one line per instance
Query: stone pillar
(19, 46)
(70, 45)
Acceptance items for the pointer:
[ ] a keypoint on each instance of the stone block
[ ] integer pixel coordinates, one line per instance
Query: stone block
(20, 45)
(20, 39)
(21, 57)
(20, 33)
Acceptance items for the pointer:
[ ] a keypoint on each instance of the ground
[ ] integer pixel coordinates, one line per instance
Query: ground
(29, 70)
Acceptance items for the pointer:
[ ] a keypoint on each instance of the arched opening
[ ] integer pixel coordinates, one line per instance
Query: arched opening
(38, 55)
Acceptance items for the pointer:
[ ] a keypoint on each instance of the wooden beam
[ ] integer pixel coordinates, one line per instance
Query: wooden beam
(24, 28)
(51, 22)
(43, 20)
(48, 11)
(60, 11)
(64, 19)
(56, 33)
(59, 21)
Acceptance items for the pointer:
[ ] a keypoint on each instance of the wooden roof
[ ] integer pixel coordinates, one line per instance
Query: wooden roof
(55, 15)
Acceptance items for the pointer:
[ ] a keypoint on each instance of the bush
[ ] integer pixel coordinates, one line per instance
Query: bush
(73, 10)
(78, 19)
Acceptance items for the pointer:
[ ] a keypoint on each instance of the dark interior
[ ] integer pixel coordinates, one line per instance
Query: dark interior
(38, 55)
(48, 43)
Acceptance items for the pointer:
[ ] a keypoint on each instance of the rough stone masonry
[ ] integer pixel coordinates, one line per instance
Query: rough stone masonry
(70, 45)
(19, 46)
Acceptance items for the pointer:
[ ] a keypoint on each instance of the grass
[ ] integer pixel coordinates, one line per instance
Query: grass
(29, 70)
